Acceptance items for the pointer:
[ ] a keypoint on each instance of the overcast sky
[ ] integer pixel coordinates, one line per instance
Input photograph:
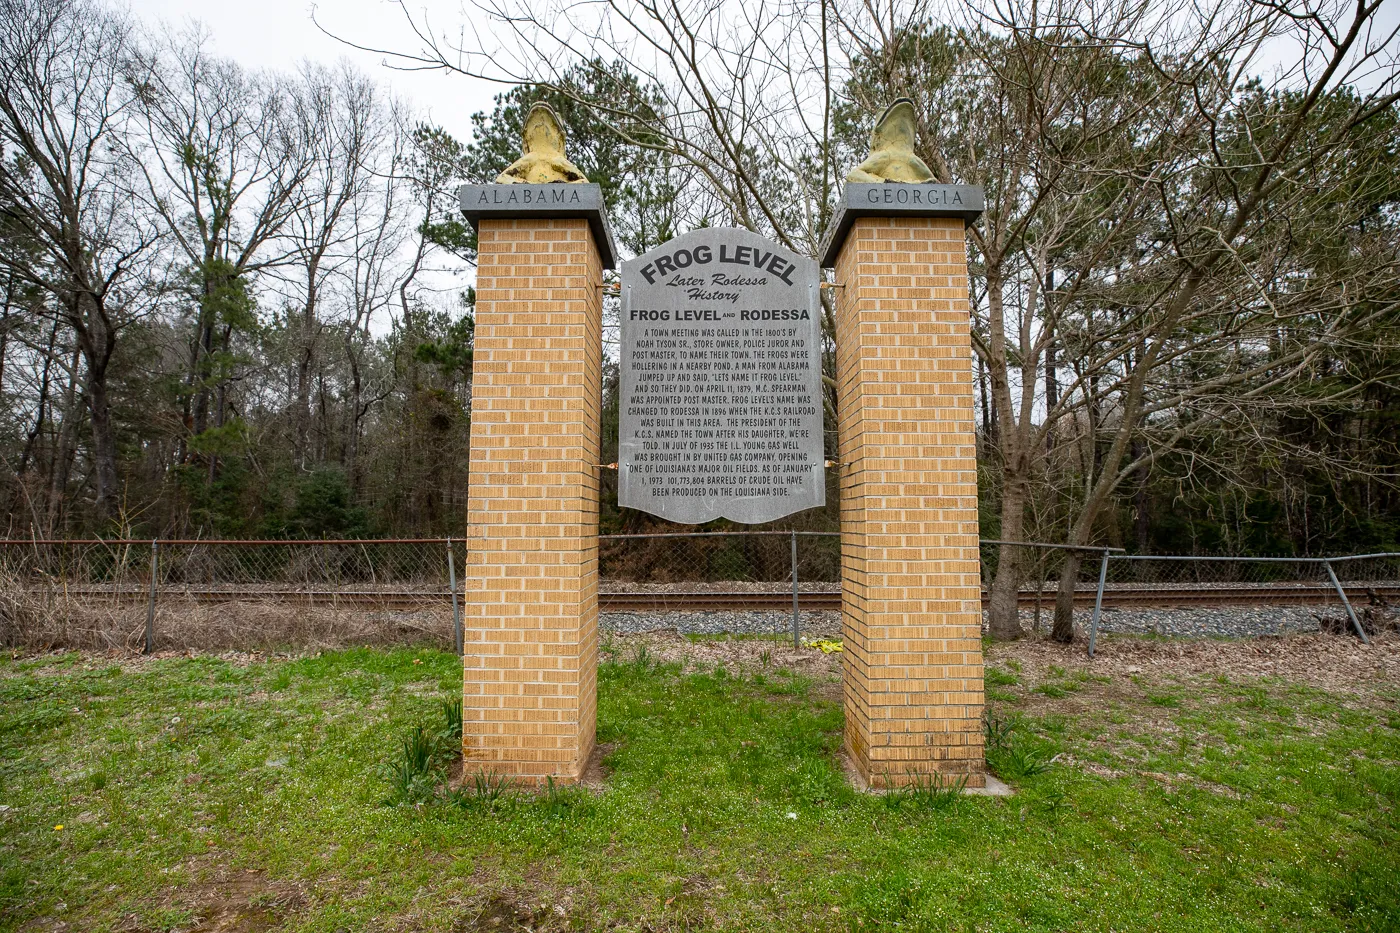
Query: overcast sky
(278, 34)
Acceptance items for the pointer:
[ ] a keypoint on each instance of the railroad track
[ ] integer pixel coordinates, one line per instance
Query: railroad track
(1113, 598)
(1116, 597)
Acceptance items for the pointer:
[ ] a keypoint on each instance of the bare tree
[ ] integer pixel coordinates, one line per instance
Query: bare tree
(341, 116)
(740, 102)
(63, 107)
(1226, 279)
(1090, 128)
(374, 273)
(224, 164)
(1043, 118)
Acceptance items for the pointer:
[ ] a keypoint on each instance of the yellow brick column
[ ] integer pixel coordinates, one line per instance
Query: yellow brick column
(911, 589)
(531, 602)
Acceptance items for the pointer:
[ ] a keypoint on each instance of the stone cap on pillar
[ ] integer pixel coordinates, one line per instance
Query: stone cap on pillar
(542, 202)
(897, 199)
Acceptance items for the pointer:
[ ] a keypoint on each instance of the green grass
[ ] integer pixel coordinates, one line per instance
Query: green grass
(1265, 806)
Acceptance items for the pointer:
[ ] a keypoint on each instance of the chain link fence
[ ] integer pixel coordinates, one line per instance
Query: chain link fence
(160, 595)
(237, 595)
(1210, 580)
(720, 560)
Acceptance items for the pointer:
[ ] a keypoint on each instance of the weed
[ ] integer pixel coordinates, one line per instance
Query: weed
(561, 802)
(1052, 801)
(417, 752)
(452, 714)
(996, 677)
(490, 787)
(488, 791)
(926, 792)
(410, 776)
(1018, 760)
(997, 730)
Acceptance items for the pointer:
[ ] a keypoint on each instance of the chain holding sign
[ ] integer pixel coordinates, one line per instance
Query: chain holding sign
(721, 413)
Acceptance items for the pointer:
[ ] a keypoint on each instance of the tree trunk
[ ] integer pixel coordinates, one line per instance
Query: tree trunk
(1063, 630)
(98, 341)
(203, 370)
(1052, 379)
(104, 445)
(5, 322)
(63, 449)
(220, 404)
(32, 439)
(986, 403)
(1003, 613)
(352, 429)
(1004, 622)
(302, 417)
(1101, 487)
(1141, 518)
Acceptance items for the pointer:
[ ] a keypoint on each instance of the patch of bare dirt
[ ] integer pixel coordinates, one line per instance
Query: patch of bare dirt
(230, 901)
(246, 904)
(512, 911)
(595, 773)
(484, 904)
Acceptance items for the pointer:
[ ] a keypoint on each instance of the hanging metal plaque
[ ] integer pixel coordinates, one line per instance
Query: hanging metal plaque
(721, 407)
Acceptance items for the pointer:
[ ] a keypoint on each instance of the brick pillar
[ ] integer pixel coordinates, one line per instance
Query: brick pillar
(910, 578)
(531, 623)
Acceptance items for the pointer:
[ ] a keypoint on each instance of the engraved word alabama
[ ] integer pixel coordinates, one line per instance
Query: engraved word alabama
(721, 380)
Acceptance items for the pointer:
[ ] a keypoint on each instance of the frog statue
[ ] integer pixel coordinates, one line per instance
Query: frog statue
(892, 155)
(543, 160)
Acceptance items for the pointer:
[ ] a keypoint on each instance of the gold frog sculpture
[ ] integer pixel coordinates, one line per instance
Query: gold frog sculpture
(892, 155)
(543, 160)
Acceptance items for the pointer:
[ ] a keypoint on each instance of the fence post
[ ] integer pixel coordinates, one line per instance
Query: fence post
(1355, 622)
(1098, 603)
(149, 645)
(457, 635)
(796, 625)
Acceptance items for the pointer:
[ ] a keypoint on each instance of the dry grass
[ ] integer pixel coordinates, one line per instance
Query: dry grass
(46, 619)
(744, 656)
(1339, 664)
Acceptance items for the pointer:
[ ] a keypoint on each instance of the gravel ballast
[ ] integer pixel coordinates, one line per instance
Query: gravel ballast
(814, 623)
(1222, 622)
